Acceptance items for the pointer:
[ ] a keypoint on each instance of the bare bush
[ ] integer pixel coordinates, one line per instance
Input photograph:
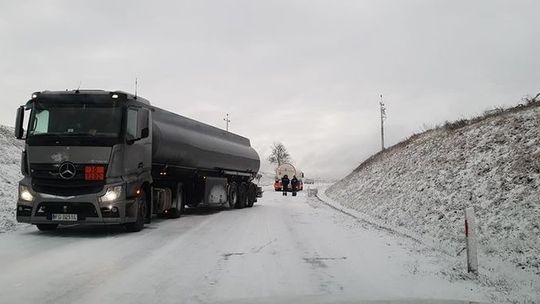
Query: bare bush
(529, 100)
(458, 124)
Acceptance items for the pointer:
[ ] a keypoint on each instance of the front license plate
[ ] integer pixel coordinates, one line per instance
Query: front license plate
(64, 217)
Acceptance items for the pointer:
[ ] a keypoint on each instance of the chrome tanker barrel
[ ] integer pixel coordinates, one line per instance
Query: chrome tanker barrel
(184, 142)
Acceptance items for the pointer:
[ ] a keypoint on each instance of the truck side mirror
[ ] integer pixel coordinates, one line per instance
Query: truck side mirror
(142, 124)
(19, 131)
(145, 132)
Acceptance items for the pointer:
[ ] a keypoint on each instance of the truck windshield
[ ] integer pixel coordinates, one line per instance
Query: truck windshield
(77, 120)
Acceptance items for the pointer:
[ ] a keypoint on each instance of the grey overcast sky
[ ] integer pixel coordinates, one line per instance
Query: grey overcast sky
(306, 73)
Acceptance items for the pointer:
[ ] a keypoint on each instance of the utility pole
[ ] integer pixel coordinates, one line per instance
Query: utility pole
(383, 117)
(227, 120)
(136, 87)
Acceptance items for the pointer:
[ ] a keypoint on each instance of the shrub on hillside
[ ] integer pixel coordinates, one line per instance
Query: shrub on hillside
(456, 124)
(529, 100)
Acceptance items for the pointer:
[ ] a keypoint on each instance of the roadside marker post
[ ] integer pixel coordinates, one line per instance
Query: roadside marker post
(471, 243)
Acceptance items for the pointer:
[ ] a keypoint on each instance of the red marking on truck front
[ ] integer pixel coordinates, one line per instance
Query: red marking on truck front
(94, 173)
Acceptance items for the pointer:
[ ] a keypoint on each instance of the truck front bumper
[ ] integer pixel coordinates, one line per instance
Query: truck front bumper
(45, 208)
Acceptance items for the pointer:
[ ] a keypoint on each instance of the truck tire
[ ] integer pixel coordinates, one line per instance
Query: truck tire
(232, 195)
(46, 227)
(180, 204)
(242, 196)
(252, 195)
(141, 214)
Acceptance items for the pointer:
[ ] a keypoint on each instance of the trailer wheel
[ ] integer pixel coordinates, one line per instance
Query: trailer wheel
(251, 194)
(232, 195)
(180, 205)
(141, 214)
(46, 227)
(242, 196)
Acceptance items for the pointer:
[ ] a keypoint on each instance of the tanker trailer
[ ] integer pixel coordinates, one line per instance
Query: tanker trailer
(99, 157)
(290, 171)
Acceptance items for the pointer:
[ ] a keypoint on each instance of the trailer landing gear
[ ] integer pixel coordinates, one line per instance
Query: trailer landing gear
(180, 206)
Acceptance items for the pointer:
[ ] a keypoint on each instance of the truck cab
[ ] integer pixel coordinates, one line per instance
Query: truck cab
(87, 159)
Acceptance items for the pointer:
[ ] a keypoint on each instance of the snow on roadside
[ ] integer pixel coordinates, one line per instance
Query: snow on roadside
(10, 157)
(424, 184)
(503, 282)
(267, 178)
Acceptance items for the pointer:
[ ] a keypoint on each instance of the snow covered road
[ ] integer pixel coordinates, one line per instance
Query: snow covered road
(282, 247)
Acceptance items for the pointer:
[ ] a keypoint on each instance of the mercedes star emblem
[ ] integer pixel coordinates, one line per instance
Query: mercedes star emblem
(67, 170)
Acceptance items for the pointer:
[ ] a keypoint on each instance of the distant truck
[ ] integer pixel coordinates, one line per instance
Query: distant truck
(290, 171)
(100, 157)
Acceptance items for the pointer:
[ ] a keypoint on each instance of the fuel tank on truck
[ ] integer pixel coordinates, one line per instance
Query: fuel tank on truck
(185, 142)
(289, 170)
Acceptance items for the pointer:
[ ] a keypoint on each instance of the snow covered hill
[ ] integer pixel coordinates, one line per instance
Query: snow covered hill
(10, 157)
(423, 185)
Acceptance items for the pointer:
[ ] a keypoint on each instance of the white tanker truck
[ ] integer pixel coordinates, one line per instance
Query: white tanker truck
(290, 171)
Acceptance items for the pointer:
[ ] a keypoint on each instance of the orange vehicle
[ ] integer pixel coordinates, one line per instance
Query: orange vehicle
(290, 171)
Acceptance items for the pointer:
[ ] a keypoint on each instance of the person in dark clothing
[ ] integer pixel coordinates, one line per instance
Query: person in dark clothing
(285, 184)
(294, 185)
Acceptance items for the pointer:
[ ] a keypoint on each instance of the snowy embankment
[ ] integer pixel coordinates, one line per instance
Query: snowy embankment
(423, 185)
(10, 157)
(267, 179)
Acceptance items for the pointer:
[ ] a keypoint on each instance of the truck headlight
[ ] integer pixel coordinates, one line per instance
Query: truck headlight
(25, 194)
(112, 194)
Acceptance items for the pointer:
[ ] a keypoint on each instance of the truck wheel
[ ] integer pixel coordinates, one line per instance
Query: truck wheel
(178, 210)
(141, 214)
(242, 196)
(252, 195)
(46, 227)
(232, 195)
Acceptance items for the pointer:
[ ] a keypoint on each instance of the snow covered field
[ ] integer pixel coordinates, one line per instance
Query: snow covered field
(423, 186)
(10, 168)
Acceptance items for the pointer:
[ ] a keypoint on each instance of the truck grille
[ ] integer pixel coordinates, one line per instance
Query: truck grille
(45, 179)
(83, 210)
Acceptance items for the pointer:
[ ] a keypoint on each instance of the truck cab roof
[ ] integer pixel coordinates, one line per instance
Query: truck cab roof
(93, 96)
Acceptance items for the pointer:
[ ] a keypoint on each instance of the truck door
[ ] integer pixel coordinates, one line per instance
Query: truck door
(138, 149)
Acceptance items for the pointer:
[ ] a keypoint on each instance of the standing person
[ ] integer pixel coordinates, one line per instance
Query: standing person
(285, 184)
(294, 185)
